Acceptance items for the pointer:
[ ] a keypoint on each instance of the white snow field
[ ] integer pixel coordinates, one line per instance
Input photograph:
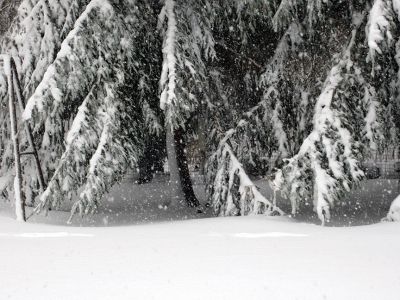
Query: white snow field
(215, 258)
(144, 252)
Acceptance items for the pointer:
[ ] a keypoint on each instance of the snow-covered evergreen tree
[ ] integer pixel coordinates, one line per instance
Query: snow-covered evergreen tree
(33, 40)
(323, 148)
(188, 44)
(259, 137)
(89, 69)
(285, 87)
(95, 69)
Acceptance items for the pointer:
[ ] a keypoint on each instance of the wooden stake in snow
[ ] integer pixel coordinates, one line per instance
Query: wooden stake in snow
(19, 197)
(14, 89)
(28, 130)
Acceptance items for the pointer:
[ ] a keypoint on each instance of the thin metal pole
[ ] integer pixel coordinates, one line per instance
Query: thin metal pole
(19, 197)
(28, 130)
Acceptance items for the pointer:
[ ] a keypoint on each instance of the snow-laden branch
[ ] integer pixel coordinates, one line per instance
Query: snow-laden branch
(233, 192)
(187, 43)
(49, 88)
(108, 162)
(380, 26)
(168, 74)
(326, 163)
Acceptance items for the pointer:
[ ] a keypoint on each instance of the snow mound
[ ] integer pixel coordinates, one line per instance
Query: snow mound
(394, 211)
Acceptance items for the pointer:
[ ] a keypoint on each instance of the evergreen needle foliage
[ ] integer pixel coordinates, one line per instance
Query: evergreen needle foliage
(300, 91)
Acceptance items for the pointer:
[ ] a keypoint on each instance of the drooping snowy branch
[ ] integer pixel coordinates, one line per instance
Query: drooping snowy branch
(380, 27)
(233, 193)
(327, 160)
(168, 75)
(188, 42)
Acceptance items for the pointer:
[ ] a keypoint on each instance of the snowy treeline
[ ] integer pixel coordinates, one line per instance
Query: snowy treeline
(297, 91)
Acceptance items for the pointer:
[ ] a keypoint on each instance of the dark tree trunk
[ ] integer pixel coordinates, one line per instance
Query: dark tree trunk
(184, 174)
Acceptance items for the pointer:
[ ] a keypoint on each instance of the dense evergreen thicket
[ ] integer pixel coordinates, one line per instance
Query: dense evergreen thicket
(300, 91)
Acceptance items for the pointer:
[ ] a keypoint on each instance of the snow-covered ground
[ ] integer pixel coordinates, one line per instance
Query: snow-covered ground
(215, 258)
(133, 249)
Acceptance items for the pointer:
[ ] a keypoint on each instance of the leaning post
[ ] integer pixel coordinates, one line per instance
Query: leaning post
(19, 197)
(28, 129)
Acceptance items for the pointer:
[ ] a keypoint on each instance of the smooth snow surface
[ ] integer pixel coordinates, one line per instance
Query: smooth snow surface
(132, 249)
(217, 258)
(268, 234)
(45, 235)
